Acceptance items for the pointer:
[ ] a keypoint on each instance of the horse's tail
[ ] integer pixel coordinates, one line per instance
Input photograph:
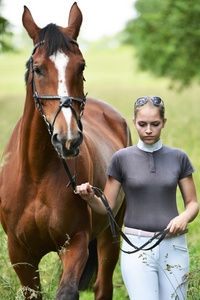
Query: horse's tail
(90, 272)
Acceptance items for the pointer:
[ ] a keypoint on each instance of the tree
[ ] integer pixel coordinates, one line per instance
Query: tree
(4, 33)
(166, 35)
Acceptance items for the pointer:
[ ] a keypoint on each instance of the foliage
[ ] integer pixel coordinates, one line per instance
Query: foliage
(166, 35)
(5, 33)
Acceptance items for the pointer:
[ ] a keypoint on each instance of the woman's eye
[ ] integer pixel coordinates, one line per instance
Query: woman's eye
(156, 124)
(141, 124)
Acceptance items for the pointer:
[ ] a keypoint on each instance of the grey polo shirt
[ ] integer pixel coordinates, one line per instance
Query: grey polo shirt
(150, 182)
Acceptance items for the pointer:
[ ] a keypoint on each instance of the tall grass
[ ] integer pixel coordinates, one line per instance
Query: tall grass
(111, 75)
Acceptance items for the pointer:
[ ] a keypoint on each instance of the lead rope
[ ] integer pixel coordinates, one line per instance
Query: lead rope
(159, 235)
(72, 180)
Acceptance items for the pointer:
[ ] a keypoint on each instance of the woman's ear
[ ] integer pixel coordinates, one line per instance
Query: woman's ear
(134, 122)
(164, 122)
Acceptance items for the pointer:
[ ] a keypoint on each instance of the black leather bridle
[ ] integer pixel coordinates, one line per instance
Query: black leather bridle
(66, 102)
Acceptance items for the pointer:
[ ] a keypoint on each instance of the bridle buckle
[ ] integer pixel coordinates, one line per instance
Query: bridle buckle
(66, 101)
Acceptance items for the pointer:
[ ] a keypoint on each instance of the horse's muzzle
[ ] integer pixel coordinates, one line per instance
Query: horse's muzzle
(67, 148)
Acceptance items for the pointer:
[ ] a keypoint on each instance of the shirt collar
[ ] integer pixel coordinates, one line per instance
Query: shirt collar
(149, 148)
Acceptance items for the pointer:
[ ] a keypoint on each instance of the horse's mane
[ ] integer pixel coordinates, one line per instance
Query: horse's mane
(55, 40)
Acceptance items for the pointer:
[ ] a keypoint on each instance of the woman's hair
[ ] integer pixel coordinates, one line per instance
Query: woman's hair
(151, 100)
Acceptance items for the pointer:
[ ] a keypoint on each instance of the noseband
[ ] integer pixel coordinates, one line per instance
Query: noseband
(65, 101)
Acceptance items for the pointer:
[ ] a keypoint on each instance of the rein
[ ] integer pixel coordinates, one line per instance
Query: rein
(159, 235)
(67, 102)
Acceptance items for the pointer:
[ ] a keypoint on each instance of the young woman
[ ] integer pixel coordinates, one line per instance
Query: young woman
(149, 173)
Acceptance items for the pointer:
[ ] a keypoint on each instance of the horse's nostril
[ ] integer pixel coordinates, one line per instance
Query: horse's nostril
(68, 144)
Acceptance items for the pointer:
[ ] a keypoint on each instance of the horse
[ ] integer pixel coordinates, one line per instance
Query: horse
(60, 130)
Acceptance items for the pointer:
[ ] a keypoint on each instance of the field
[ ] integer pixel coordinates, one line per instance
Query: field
(111, 75)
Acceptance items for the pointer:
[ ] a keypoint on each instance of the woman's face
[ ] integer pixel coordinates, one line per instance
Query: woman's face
(149, 124)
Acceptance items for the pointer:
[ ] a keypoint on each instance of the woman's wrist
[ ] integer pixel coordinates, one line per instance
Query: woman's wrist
(91, 199)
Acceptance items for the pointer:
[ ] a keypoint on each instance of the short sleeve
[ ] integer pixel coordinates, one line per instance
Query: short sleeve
(186, 165)
(114, 169)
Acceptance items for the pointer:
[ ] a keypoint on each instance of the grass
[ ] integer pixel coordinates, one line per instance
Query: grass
(111, 75)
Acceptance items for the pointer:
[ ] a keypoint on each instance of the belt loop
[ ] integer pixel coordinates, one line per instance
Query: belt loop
(139, 232)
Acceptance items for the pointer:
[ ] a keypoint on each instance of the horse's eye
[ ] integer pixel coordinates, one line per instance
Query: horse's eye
(37, 70)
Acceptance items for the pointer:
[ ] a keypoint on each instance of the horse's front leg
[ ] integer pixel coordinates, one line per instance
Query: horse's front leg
(26, 267)
(74, 255)
(108, 255)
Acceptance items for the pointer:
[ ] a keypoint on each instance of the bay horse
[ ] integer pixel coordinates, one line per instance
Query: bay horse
(38, 213)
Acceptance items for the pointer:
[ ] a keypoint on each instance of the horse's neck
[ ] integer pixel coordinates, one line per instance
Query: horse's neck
(35, 141)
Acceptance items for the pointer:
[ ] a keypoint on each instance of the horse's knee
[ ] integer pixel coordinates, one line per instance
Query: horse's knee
(67, 292)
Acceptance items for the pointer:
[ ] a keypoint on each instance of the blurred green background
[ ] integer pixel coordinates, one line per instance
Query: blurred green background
(112, 75)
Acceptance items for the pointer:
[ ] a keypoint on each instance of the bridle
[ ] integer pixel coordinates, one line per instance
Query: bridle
(67, 102)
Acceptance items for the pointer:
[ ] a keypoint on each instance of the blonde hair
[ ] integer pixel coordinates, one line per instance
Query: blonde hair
(150, 100)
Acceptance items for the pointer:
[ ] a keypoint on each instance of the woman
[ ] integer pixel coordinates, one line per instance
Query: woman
(149, 173)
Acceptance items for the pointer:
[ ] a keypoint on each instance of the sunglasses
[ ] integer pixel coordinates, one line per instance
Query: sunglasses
(143, 100)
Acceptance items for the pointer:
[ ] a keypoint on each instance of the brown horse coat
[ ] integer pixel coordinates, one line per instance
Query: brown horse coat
(38, 213)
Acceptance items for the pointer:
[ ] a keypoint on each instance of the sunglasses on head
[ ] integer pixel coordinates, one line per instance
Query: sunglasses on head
(143, 100)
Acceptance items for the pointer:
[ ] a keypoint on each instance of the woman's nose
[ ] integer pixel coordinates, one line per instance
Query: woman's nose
(148, 129)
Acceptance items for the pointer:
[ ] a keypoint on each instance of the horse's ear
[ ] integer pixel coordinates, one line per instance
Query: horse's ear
(29, 25)
(74, 22)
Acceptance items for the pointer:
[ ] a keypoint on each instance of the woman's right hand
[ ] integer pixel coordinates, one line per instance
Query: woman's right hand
(85, 191)
(111, 191)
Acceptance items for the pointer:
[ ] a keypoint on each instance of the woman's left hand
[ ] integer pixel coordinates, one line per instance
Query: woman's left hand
(188, 191)
(178, 224)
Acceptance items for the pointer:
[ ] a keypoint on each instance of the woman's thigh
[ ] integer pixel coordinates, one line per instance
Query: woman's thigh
(174, 266)
(139, 272)
(158, 274)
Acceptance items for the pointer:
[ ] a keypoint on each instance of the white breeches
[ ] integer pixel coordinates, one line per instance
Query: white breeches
(157, 274)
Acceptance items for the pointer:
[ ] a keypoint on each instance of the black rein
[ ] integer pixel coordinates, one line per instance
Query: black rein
(158, 235)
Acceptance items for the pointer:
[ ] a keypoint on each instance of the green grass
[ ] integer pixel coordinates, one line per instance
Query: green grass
(111, 75)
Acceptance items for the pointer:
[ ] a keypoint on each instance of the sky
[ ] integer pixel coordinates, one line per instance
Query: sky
(100, 18)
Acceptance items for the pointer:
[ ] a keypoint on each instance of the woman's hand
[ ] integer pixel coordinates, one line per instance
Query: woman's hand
(178, 225)
(111, 192)
(85, 191)
(188, 191)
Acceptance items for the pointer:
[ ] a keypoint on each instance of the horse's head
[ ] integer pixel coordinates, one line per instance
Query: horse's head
(55, 71)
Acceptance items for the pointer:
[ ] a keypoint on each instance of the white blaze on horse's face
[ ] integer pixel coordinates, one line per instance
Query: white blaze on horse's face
(61, 60)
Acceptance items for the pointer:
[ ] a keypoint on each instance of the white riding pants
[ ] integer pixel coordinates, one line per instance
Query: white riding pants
(157, 274)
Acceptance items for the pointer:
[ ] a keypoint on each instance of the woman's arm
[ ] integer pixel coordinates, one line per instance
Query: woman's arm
(111, 192)
(188, 191)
